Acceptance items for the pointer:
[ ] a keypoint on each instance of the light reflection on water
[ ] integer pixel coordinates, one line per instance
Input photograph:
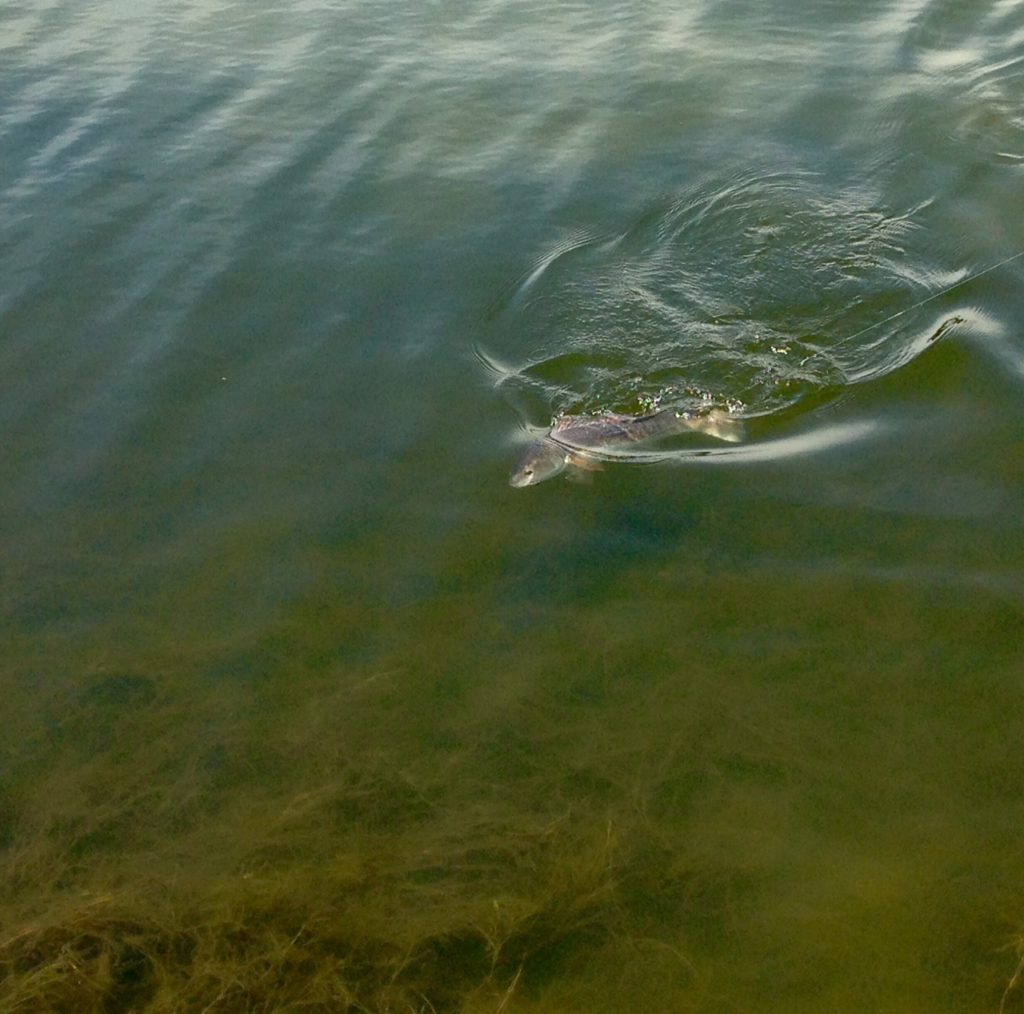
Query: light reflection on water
(279, 289)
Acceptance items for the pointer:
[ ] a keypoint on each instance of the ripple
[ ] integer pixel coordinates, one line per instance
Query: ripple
(743, 291)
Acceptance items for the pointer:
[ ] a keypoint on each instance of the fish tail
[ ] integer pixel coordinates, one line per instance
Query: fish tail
(718, 424)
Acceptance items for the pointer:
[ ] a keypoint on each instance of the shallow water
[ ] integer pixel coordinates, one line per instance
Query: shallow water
(307, 706)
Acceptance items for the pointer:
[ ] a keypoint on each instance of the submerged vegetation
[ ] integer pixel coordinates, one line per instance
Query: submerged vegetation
(401, 937)
(403, 823)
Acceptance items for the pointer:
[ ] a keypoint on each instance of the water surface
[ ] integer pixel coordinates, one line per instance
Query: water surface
(306, 706)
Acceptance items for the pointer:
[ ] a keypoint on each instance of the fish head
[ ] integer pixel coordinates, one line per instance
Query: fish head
(541, 460)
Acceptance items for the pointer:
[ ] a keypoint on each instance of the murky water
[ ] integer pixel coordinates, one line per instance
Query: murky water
(307, 709)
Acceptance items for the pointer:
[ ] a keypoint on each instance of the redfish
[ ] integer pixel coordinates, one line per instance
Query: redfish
(575, 442)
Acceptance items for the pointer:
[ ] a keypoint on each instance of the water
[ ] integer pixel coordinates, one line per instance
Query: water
(306, 706)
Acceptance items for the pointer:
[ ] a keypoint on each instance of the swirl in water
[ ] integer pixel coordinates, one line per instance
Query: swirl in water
(758, 296)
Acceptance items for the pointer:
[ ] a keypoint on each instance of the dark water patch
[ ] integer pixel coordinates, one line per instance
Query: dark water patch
(8, 820)
(120, 690)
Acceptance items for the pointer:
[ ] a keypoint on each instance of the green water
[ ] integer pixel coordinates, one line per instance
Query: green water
(307, 709)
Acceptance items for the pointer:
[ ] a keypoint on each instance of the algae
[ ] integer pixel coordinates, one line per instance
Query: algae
(448, 824)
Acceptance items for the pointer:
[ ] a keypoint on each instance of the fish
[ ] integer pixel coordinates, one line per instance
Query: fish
(576, 442)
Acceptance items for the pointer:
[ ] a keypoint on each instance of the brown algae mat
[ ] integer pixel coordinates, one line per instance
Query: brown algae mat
(778, 823)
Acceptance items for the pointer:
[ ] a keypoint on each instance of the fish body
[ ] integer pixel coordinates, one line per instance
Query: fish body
(576, 441)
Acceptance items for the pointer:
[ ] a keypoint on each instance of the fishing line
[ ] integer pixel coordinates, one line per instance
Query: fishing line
(946, 291)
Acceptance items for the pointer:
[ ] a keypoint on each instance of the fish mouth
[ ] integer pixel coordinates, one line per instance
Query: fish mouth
(539, 461)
